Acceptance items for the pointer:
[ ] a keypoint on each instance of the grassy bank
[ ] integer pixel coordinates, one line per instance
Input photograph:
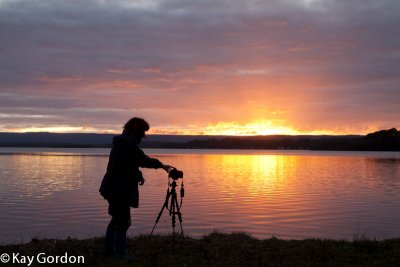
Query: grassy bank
(217, 249)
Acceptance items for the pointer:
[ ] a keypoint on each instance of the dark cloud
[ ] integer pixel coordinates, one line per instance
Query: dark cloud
(195, 62)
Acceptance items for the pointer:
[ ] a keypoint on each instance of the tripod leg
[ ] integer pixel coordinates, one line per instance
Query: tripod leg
(172, 213)
(178, 211)
(161, 211)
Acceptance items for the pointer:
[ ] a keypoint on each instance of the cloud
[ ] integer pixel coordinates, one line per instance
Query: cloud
(324, 64)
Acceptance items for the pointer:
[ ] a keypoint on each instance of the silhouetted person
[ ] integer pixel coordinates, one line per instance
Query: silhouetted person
(120, 183)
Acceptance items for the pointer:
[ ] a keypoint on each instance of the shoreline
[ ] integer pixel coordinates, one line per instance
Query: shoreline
(218, 249)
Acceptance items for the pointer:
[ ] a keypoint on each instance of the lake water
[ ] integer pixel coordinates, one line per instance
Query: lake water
(53, 193)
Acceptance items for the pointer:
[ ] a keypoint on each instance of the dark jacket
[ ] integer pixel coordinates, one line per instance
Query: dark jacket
(120, 183)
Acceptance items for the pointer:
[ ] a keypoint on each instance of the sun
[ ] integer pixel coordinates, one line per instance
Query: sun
(262, 127)
(233, 128)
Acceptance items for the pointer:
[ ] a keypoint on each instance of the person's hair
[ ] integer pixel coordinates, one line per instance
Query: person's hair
(136, 124)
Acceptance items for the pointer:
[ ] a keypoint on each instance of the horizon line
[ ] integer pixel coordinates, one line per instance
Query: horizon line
(176, 134)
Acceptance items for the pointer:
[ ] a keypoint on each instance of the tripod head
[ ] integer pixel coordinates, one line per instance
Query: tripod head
(175, 174)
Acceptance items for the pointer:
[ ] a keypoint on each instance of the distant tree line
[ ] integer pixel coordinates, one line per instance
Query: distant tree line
(385, 140)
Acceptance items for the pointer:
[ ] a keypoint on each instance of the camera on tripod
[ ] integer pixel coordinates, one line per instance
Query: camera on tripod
(171, 200)
(175, 174)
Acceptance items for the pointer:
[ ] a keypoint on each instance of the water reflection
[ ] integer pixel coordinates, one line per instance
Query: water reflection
(40, 176)
(329, 195)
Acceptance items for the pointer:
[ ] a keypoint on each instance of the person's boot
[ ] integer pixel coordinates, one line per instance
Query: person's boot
(120, 245)
(108, 249)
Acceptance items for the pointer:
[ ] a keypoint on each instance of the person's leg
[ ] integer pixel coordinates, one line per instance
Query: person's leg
(121, 221)
(109, 240)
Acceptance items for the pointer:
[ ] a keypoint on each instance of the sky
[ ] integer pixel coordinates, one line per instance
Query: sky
(234, 67)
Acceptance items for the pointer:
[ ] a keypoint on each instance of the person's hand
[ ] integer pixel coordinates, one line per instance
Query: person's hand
(141, 182)
(167, 168)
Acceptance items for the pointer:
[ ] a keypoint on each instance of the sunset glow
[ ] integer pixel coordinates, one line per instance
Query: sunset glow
(221, 128)
(255, 128)
(55, 129)
(243, 68)
(234, 128)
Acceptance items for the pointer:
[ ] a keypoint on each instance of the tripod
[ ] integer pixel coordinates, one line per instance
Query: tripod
(174, 208)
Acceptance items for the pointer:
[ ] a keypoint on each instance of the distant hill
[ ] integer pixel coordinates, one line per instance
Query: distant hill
(45, 139)
(54, 139)
(385, 140)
